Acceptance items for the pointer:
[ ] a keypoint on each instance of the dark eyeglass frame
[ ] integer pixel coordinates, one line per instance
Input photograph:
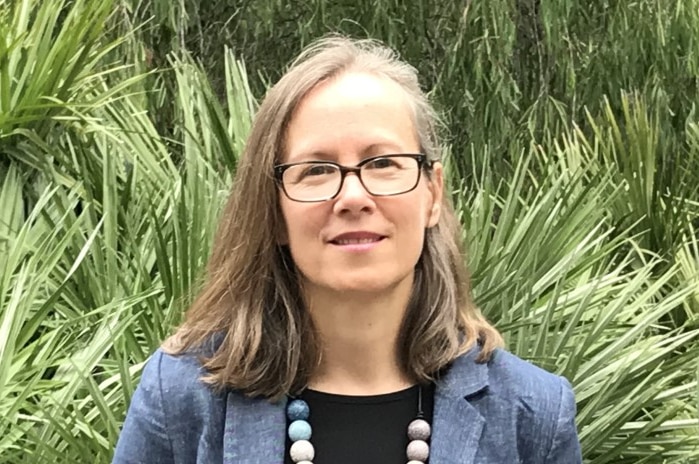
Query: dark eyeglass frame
(422, 163)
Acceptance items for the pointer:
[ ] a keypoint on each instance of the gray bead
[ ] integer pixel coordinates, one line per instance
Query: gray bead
(419, 430)
(302, 450)
(418, 450)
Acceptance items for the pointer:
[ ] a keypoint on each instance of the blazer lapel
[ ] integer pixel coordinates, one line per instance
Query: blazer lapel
(456, 424)
(255, 429)
(254, 432)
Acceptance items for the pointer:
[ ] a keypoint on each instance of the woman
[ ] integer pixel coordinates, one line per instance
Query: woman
(336, 323)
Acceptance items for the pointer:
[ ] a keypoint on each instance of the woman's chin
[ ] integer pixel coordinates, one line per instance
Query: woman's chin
(363, 283)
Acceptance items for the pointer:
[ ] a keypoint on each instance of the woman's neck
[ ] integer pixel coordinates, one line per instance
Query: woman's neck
(359, 340)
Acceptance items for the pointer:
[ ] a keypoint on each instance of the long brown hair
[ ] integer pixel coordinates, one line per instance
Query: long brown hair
(250, 310)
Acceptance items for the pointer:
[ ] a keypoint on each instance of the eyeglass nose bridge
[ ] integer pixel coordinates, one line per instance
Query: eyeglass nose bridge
(344, 170)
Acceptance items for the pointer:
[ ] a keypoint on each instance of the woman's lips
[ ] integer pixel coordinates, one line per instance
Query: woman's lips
(357, 241)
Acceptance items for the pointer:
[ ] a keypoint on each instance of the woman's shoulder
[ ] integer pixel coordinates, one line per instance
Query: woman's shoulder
(170, 406)
(174, 384)
(177, 377)
(510, 374)
(516, 399)
(505, 372)
(526, 387)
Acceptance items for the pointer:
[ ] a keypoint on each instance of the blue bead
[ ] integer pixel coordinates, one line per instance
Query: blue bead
(297, 410)
(299, 430)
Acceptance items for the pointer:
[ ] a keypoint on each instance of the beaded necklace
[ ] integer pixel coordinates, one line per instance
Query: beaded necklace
(302, 451)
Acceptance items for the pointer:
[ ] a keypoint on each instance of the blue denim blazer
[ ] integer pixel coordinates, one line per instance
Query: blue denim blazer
(505, 411)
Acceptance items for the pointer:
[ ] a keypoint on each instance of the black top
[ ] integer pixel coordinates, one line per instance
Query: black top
(366, 429)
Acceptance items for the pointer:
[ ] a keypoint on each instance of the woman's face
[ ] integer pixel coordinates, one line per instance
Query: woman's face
(357, 241)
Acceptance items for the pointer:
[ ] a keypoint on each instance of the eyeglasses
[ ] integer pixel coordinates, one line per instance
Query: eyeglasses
(385, 175)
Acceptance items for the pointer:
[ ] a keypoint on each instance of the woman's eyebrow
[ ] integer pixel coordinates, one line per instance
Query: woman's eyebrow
(374, 149)
(314, 155)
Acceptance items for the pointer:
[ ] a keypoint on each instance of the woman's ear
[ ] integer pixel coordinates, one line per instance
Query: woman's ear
(436, 186)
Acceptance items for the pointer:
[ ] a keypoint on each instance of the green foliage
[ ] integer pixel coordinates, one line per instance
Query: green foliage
(573, 159)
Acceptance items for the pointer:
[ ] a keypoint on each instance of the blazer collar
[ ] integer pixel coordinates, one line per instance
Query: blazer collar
(464, 377)
(456, 424)
(255, 429)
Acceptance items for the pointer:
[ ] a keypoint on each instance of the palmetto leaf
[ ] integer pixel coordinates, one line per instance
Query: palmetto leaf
(97, 275)
(566, 288)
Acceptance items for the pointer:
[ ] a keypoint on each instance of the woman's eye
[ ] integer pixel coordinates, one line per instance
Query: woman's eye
(382, 163)
(318, 170)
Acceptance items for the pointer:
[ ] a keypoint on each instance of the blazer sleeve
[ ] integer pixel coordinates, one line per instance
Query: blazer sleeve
(565, 446)
(144, 437)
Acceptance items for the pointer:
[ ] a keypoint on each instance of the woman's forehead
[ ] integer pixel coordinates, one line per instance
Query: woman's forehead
(361, 113)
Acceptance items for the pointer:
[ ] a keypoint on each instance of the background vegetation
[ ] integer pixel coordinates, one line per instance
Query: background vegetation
(573, 154)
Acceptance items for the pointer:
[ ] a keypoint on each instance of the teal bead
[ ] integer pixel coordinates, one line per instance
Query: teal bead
(299, 430)
(297, 410)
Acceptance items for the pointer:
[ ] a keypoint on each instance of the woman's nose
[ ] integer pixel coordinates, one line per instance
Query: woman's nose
(353, 195)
